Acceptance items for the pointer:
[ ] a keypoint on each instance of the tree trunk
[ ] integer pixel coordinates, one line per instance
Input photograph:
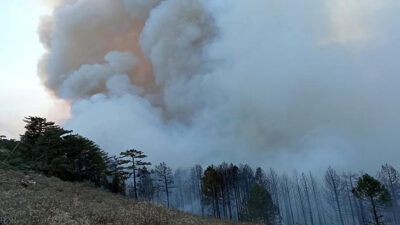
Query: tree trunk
(201, 199)
(229, 202)
(134, 178)
(316, 199)
(166, 189)
(224, 203)
(237, 203)
(363, 217)
(395, 207)
(374, 212)
(308, 199)
(290, 202)
(301, 202)
(338, 202)
(351, 205)
(217, 203)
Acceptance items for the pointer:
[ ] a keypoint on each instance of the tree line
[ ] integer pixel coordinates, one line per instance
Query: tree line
(239, 192)
(236, 192)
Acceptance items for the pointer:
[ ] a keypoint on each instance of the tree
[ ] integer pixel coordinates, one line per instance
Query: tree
(333, 184)
(8, 144)
(54, 151)
(371, 190)
(317, 200)
(223, 171)
(8, 154)
(40, 139)
(130, 163)
(273, 188)
(165, 179)
(145, 184)
(211, 184)
(35, 127)
(182, 186)
(347, 184)
(391, 179)
(117, 184)
(259, 206)
(288, 199)
(195, 174)
(246, 179)
(233, 179)
(260, 177)
(305, 185)
(300, 198)
(84, 157)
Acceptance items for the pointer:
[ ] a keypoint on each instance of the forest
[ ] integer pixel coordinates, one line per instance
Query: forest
(227, 191)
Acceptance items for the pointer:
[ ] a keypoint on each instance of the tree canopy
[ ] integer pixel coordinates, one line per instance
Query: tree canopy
(371, 190)
(259, 206)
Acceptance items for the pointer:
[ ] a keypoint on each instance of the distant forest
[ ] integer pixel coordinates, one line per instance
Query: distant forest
(228, 191)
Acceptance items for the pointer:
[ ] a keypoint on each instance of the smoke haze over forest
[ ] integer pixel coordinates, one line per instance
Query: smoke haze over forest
(277, 83)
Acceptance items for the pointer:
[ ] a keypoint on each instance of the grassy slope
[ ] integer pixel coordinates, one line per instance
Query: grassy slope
(36, 199)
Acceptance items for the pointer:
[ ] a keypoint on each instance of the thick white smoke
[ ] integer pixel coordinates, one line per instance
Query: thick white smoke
(276, 83)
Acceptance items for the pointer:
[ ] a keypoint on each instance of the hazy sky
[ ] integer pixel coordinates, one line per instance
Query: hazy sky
(21, 93)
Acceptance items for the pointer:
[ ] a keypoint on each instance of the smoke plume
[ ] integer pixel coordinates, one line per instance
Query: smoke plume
(277, 83)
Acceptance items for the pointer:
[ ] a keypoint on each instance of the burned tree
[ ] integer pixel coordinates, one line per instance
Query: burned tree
(333, 185)
(390, 177)
(165, 179)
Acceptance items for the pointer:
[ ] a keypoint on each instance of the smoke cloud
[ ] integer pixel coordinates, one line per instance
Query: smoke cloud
(276, 83)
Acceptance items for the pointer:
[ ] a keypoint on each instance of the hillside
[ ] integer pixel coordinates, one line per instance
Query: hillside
(36, 199)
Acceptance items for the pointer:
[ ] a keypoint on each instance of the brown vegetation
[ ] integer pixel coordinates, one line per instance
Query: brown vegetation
(36, 199)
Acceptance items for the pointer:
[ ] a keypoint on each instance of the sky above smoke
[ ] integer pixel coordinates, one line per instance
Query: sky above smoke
(274, 83)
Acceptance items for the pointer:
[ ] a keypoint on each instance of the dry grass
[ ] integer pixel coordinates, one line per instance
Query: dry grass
(36, 199)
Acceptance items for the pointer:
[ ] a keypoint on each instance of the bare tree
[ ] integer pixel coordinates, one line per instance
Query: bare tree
(391, 179)
(306, 188)
(348, 187)
(317, 200)
(165, 179)
(301, 198)
(196, 173)
(273, 187)
(333, 185)
(288, 199)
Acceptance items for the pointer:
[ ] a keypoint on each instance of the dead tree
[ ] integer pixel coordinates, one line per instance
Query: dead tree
(332, 183)
(165, 179)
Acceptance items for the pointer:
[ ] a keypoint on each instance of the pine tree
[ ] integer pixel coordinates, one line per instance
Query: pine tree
(145, 184)
(259, 206)
(370, 190)
(40, 135)
(211, 185)
(35, 128)
(130, 162)
(117, 184)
